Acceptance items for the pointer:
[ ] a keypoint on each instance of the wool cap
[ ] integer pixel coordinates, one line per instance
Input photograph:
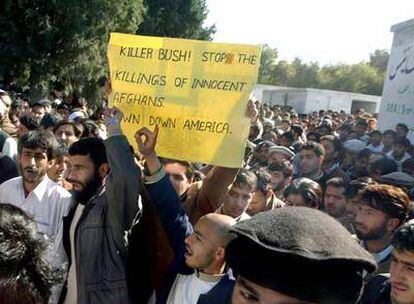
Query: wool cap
(300, 252)
(282, 150)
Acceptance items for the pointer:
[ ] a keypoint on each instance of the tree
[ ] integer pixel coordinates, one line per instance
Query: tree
(176, 18)
(379, 60)
(267, 64)
(61, 40)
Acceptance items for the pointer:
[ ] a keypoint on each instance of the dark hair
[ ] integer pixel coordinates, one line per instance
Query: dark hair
(403, 141)
(389, 199)
(297, 129)
(315, 147)
(264, 183)
(389, 132)
(384, 165)
(316, 134)
(337, 182)
(356, 185)
(335, 141)
(25, 278)
(288, 136)
(402, 125)
(375, 132)
(364, 153)
(282, 166)
(362, 122)
(310, 191)
(39, 140)
(190, 170)
(403, 239)
(245, 178)
(92, 147)
(408, 166)
(62, 150)
(50, 120)
(90, 128)
(29, 122)
(77, 127)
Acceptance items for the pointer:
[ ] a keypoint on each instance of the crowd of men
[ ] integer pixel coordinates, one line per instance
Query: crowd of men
(319, 212)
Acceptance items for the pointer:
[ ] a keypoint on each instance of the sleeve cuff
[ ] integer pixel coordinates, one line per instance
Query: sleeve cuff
(152, 179)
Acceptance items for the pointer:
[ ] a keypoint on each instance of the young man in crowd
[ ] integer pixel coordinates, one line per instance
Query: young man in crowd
(296, 256)
(304, 192)
(382, 209)
(388, 138)
(399, 151)
(263, 198)
(239, 196)
(58, 169)
(68, 132)
(352, 199)
(39, 196)
(332, 160)
(399, 287)
(106, 185)
(335, 201)
(198, 272)
(281, 174)
(311, 160)
(375, 142)
(401, 130)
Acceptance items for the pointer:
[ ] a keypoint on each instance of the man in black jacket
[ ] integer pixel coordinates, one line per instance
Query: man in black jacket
(399, 287)
(106, 184)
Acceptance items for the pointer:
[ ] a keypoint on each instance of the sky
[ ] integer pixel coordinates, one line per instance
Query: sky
(328, 32)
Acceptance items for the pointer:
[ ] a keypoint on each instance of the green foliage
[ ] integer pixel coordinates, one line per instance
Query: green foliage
(364, 77)
(61, 40)
(176, 18)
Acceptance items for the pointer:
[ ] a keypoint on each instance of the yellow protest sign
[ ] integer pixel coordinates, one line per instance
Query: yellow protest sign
(195, 91)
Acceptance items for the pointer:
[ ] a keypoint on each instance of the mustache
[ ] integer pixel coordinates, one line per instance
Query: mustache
(33, 169)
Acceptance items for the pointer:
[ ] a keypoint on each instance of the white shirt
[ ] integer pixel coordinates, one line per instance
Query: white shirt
(188, 288)
(48, 203)
(10, 148)
(375, 149)
(399, 162)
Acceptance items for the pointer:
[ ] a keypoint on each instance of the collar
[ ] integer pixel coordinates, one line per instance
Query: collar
(205, 277)
(40, 189)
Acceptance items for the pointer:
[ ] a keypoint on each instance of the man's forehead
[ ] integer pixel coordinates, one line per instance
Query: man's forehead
(405, 256)
(175, 168)
(240, 189)
(79, 159)
(37, 150)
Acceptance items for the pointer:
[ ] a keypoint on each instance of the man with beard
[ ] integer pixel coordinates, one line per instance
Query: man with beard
(281, 174)
(39, 196)
(399, 151)
(106, 185)
(381, 211)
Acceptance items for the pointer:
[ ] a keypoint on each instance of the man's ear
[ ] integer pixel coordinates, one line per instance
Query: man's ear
(393, 224)
(103, 170)
(50, 163)
(220, 253)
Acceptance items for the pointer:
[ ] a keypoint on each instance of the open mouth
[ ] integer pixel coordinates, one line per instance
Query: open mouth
(188, 252)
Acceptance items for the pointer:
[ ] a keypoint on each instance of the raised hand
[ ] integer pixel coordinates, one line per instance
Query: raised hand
(146, 140)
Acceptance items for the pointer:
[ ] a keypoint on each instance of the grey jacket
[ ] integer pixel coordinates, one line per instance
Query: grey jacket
(100, 236)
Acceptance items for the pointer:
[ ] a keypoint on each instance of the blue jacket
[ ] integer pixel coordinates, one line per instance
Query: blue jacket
(178, 227)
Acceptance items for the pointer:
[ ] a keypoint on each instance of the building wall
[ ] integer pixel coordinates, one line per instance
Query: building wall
(308, 100)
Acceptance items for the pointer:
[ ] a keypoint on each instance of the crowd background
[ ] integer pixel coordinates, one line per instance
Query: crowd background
(332, 161)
